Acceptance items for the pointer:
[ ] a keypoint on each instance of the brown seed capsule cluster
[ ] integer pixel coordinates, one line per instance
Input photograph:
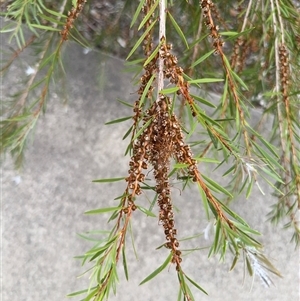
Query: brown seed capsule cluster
(284, 70)
(174, 74)
(208, 8)
(141, 147)
(151, 67)
(165, 131)
(73, 14)
(240, 55)
(161, 140)
(236, 54)
(148, 41)
(172, 71)
(137, 164)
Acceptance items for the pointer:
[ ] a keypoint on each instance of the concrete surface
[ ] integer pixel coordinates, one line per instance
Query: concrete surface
(42, 207)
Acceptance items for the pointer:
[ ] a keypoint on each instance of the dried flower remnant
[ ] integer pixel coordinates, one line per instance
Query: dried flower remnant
(260, 265)
(284, 70)
(73, 14)
(208, 7)
(155, 146)
(174, 74)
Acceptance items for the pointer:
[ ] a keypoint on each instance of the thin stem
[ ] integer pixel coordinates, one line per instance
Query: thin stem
(197, 46)
(246, 16)
(162, 36)
(280, 21)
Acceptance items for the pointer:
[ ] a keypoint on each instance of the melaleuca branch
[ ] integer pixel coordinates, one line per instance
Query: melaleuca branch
(285, 117)
(208, 8)
(157, 139)
(18, 52)
(22, 115)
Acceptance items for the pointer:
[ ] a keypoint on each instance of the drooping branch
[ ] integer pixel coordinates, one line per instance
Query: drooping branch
(162, 37)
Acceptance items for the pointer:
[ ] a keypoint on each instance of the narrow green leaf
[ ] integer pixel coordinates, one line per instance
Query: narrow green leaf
(149, 14)
(225, 92)
(180, 165)
(203, 101)
(52, 20)
(202, 58)
(108, 180)
(187, 78)
(178, 29)
(196, 42)
(47, 28)
(81, 292)
(158, 270)
(184, 287)
(248, 240)
(146, 211)
(240, 80)
(98, 250)
(140, 40)
(269, 146)
(132, 240)
(146, 90)
(128, 149)
(152, 204)
(169, 90)
(271, 184)
(103, 210)
(213, 138)
(217, 235)
(207, 160)
(205, 80)
(7, 28)
(246, 229)
(134, 62)
(249, 267)
(265, 156)
(228, 33)
(236, 257)
(249, 188)
(267, 264)
(152, 56)
(233, 214)
(191, 237)
(196, 285)
(180, 297)
(54, 13)
(127, 133)
(113, 216)
(87, 237)
(125, 103)
(17, 118)
(232, 37)
(141, 130)
(217, 186)
(204, 201)
(98, 253)
(137, 12)
(118, 120)
(91, 294)
(207, 119)
(125, 262)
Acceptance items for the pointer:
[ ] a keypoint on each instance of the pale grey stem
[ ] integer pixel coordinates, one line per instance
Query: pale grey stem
(280, 22)
(277, 74)
(246, 16)
(162, 35)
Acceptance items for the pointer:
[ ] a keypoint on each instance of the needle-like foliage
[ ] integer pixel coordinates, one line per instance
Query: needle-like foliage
(246, 54)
